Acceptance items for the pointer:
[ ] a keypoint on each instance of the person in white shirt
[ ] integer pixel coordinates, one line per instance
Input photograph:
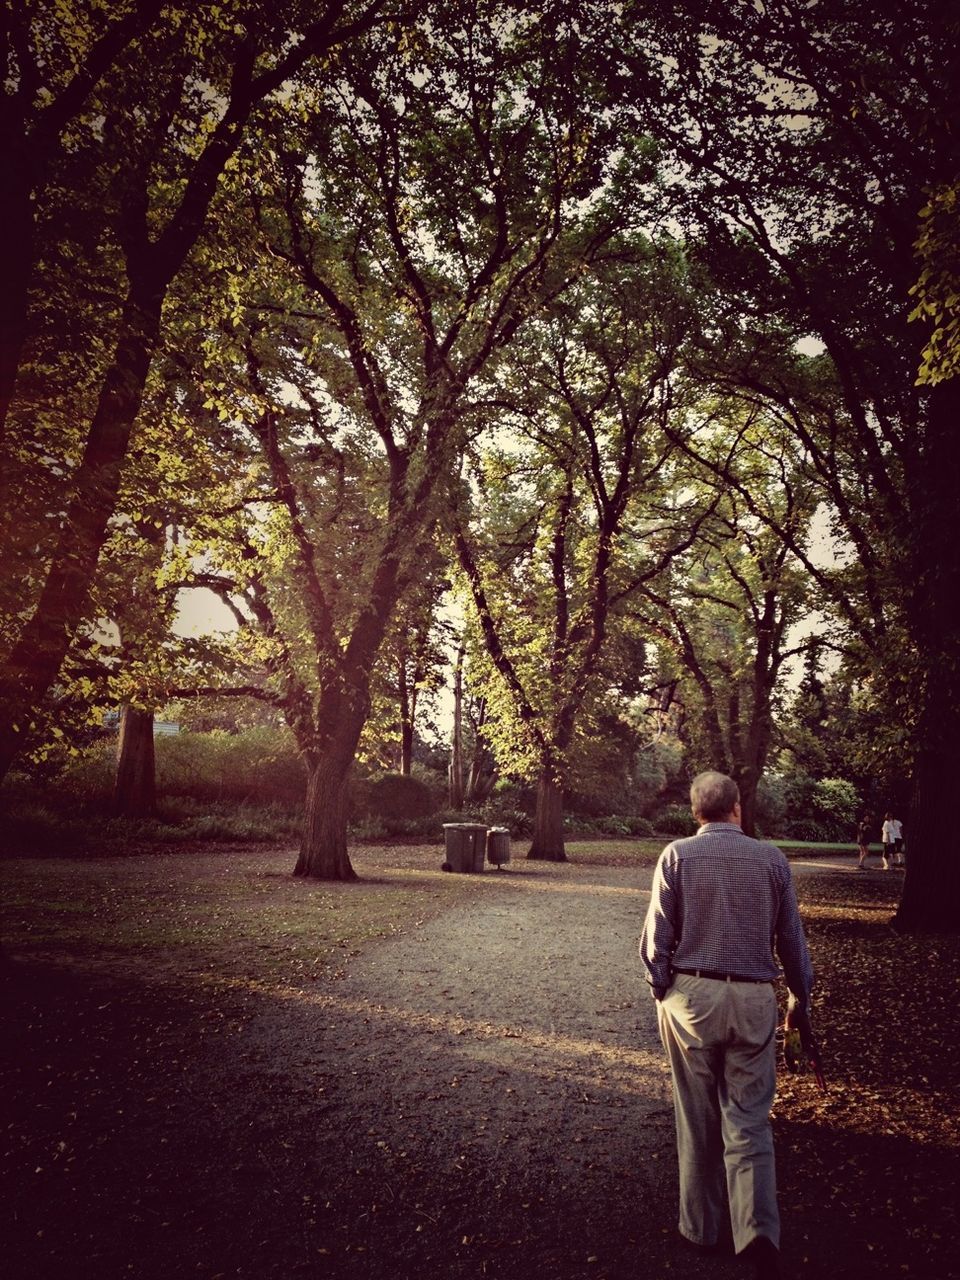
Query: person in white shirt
(898, 858)
(888, 838)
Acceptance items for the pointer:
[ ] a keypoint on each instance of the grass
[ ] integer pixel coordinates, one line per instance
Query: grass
(224, 912)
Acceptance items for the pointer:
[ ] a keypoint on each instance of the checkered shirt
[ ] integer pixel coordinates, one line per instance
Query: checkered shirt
(724, 902)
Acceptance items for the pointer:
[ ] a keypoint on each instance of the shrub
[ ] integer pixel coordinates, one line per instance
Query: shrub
(510, 795)
(640, 826)
(806, 829)
(260, 764)
(835, 806)
(396, 796)
(436, 783)
(771, 804)
(367, 828)
(496, 814)
(611, 825)
(675, 820)
(88, 777)
(426, 826)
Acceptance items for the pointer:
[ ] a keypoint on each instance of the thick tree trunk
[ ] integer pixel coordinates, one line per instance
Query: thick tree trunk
(406, 747)
(547, 845)
(751, 767)
(931, 891)
(323, 845)
(17, 254)
(135, 780)
(35, 660)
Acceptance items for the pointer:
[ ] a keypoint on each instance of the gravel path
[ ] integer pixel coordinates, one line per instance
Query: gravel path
(487, 1093)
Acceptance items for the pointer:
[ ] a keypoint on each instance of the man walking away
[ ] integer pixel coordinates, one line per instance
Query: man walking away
(720, 905)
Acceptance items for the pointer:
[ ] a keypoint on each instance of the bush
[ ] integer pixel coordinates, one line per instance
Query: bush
(517, 797)
(367, 828)
(771, 805)
(426, 826)
(806, 829)
(257, 765)
(394, 796)
(675, 820)
(436, 783)
(88, 777)
(611, 825)
(496, 814)
(835, 808)
(640, 826)
(41, 828)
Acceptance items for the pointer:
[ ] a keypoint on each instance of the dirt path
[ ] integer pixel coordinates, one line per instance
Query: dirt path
(495, 1099)
(488, 1080)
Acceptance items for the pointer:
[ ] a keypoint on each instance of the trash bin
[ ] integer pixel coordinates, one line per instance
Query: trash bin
(498, 846)
(465, 843)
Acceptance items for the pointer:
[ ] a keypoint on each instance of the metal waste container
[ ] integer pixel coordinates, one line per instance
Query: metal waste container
(465, 843)
(498, 846)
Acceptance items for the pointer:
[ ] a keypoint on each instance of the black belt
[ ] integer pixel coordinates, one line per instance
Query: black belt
(722, 977)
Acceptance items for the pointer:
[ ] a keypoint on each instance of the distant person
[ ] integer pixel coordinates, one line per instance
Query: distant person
(863, 842)
(898, 859)
(720, 904)
(888, 839)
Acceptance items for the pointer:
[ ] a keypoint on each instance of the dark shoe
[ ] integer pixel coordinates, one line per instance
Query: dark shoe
(764, 1256)
(722, 1249)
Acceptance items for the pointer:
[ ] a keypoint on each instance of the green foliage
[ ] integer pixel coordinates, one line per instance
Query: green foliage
(771, 805)
(808, 808)
(259, 765)
(497, 814)
(806, 829)
(614, 826)
(674, 820)
(836, 805)
(54, 823)
(396, 797)
(639, 826)
(938, 288)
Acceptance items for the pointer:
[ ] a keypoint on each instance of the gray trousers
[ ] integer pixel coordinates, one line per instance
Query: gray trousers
(720, 1038)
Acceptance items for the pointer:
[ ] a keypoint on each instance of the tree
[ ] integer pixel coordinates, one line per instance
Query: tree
(806, 139)
(727, 609)
(158, 147)
(581, 472)
(53, 65)
(423, 210)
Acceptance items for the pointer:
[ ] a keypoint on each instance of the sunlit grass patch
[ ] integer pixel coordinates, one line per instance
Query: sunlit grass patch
(216, 913)
(615, 853)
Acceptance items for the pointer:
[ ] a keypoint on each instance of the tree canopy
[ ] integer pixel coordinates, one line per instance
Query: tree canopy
(597, 310)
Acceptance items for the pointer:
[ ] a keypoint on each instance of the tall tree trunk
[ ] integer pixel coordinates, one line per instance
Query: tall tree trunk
(931, 891)
(747, 783)
(135, 782)
(323, 845)
(755, 750)
(17, 257)
(547, 843)
(455, 768)
(406, 748)
(35, 660)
